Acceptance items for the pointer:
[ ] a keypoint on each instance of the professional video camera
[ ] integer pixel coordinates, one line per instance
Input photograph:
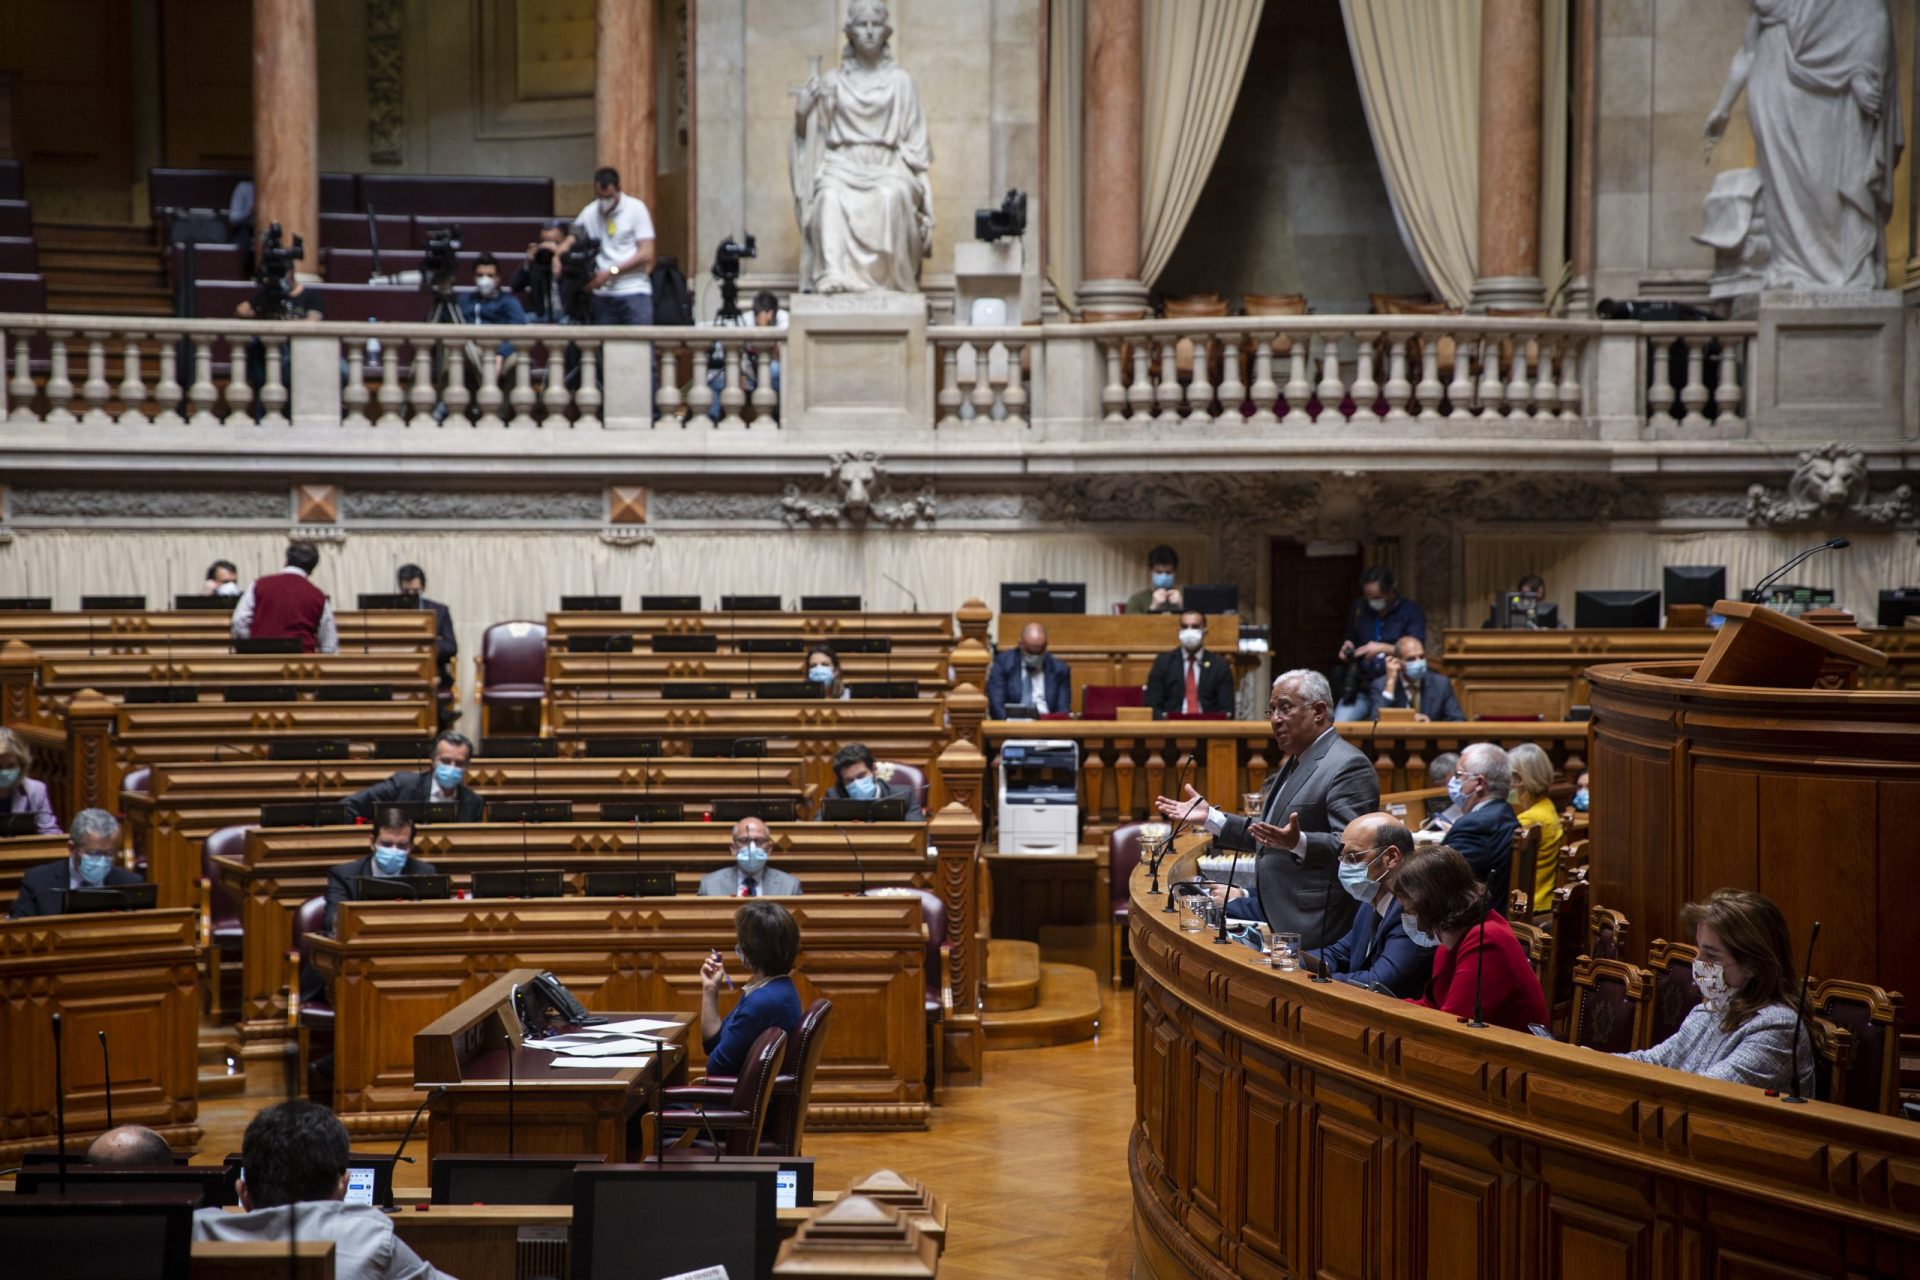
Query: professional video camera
(274, 273)
(577, 267)
(440, 260)
(726, 269)
(1010, 219)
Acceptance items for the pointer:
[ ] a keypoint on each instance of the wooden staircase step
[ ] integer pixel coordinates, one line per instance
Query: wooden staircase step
(1013, 975)
(1068, 1010)
(92, 235)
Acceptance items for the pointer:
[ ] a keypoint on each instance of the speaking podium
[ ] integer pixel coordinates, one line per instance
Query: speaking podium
(1762, 767)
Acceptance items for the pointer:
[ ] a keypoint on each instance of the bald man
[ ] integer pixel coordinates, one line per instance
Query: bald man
(1028, 676)
(750, 876)
(1376, 951)
(130, 1145)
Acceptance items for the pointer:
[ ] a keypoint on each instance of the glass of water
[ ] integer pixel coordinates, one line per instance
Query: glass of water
(1285, 955)
(1193, 914)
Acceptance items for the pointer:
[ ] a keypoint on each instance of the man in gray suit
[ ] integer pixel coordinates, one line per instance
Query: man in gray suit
(1324, 784)
(749, 876)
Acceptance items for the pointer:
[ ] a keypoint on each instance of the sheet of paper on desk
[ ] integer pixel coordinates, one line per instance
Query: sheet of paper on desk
(640, 1024)
(609, 1061)
(597, 1049)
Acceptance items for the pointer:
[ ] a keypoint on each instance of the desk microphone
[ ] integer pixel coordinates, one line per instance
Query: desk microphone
(708, 1130)
(859, 867)
(1326, 918)
(508, 1036)
(398, 1152)
(1758, 595)
(1232, 870)
(1800, 1015)
(60, 1099)
(1479, 974)
(913, 601)
(106, 1076)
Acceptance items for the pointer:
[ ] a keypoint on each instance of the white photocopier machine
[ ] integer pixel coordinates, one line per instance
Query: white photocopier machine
(1039, 796)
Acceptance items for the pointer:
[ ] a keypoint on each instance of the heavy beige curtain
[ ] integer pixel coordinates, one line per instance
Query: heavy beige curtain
(1193, 57)
(1418, 64)
(1066, 43)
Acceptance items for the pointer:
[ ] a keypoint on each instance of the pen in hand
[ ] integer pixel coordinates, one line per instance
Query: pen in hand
(723, 969)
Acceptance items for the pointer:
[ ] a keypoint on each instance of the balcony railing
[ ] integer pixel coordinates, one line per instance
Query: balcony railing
(1268, 377)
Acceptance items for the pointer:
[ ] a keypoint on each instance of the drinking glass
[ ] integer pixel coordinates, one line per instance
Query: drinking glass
(1286, 952)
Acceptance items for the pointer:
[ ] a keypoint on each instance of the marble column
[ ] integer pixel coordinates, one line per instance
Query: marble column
(1586, 144)
(286, 125)
(623, 88)
(1510, 89)
(1110, 159)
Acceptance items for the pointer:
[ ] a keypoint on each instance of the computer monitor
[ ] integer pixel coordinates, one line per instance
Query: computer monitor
(475, 1179)
(534, 882)
(696, 690)
(765, 808)
(830, 604)
(304, 813)
(629, 884)
(859, 644)
(96, 1182)
(1897, 606)
(369, 1178)
(1210, 597)
(621, 643)
(140, 694)
(353, 693)
(112, 604)
(779, 644)
(530, 811)
(19, 824)
(685, 642)
(35, 604)
(148, 1238)
(793, 1175)
(727, 748)
(389, 600)
(1043, 597)
(669, 604)
(402, 748)
(631, 1222)
(1614, 610)
(867, 690)
(589, 604)
(622, 747)
(402, 888)
(885, 809)
(789, 690)
(642, 811)
(522, 748)
(267, 644)
(749, 604)
(1704, 584)
(259, 693)
(205, 604)
(308, 749)
(118, 897)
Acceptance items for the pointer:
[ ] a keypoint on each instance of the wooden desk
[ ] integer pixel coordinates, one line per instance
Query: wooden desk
(283, 867)
(644, 675)
(20, 854)
(396, 966)
(1059, 900)
(262, 1260)
(1287, 1128)
(164, 631)
(133, 975)
(554, 1111)
(187, 801)
(1505, 673)
(1105, 648)
(908, 631)
(1124, 765)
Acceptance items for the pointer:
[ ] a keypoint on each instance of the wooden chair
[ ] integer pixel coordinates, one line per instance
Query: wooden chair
(1569, 940)
(1833, 1061)
(1123, 855)
(1519, 906)
(792, 1089)
(938, 1000)
(1573, 859)
(1606, 932)
(1270, 304)
(1674, 993)
(1526, 858)
(1871, 1017)
(735, 1117)
(1386, 304)
(1612, 1005)
(1194, 306)
(1538, 944)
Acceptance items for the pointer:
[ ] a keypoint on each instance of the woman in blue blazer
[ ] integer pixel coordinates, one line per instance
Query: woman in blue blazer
(767, 942)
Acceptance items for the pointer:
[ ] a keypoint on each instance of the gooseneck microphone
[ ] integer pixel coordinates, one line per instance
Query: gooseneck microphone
(60, 1099)
(509, 1039)
(399, 1151)
(708, 1130)
(1800, 1017)
(1326, 918)
(1758, 595)
(1480, 973)
(1226, 894)
(106, 1076)
(913, 601)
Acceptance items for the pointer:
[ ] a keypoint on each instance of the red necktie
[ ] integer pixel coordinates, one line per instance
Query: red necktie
(746, 886)
(1193, 687)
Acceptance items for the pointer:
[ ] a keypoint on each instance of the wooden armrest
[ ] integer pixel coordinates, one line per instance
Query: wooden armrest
(685, 1097)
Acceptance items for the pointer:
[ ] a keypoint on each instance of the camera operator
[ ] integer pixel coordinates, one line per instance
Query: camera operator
(278, 294)
(623, 229)
(536, 283)
(487, 304)
(767, 314)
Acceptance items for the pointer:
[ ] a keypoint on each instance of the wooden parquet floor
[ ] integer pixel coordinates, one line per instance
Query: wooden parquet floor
(1032, 1167)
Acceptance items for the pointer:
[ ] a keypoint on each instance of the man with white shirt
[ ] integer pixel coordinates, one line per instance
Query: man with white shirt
(622, 285)
(287, 605)
(1028, 676)
(1324, 783)
(444, 783)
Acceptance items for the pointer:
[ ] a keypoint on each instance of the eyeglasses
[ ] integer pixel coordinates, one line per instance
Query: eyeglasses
(1352, 856)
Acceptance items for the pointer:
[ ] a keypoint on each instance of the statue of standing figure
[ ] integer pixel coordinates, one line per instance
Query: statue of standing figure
(1823, 98)
(858, 159)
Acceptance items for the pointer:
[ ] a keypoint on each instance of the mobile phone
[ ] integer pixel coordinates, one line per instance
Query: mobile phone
(1540, 1031)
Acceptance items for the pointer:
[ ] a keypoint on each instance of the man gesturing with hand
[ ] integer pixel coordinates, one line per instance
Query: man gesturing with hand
(1324, 784)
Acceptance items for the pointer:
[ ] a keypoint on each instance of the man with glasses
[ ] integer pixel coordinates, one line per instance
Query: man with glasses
(1377, 952)
(1483, 833)
(1324, 783)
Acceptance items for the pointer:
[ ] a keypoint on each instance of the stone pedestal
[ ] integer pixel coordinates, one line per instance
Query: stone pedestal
(859, 363)
(993, 269)
(1827, 365)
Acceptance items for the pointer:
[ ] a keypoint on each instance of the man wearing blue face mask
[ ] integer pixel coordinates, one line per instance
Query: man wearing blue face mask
(444, 783)
(391, 854)
(859, 779)
(1162, 596)
(749, 876)
(1376, 951)
(92, 847)
(1409, 683)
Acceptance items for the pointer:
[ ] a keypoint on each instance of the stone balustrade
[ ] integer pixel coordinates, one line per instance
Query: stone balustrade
(1252, 376)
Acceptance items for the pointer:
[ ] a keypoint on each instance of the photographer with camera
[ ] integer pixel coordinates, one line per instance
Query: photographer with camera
(622, 230)
(278, 291)
(487, 304)
(536, 283)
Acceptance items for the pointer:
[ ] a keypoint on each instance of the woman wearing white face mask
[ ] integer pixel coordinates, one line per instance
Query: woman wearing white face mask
(823, 668)
(19, 793)
(1476, 960)
(1742, 1029)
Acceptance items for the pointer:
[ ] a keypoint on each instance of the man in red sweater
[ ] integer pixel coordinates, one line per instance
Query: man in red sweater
(286, 604)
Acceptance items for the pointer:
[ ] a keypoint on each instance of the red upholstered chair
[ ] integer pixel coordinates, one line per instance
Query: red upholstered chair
(735, 1117)
(137, 780)
(792, 1089)
(513, 674)
(1871, 1017)
(1098, 701)
(223, 916)
(311, 1009)
(1674, 993)
(1612, 1007)
(1123, 855)
(939, 965)
(1569, 941)
(911, 775)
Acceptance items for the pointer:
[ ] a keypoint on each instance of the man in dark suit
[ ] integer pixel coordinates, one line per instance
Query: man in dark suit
(1028, 676)
(411, 579)
(446, 781)
(1483, 833)
(1408, 683)
(1189, 680)
(1376, 951)
(859, 779)
(92, 843)
(1325, 784)
(390, 854)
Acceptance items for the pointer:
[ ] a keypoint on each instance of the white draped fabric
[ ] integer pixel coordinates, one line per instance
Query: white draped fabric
(1193, 57)
(1418, 64)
